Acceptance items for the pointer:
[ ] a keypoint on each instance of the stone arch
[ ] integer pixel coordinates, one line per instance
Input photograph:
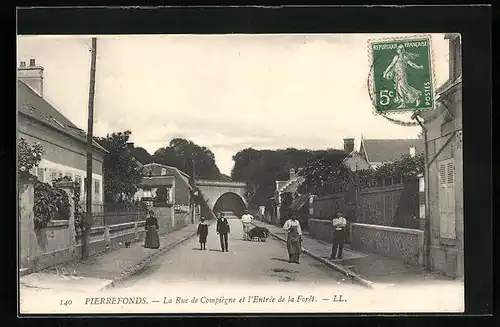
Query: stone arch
(234, 202)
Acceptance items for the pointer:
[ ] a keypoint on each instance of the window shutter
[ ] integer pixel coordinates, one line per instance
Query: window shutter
(447, 199)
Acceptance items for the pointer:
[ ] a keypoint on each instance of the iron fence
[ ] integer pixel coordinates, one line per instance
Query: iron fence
(112, 214)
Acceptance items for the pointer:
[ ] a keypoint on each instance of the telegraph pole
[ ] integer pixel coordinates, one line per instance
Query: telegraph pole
(194, 192)
(88, 218)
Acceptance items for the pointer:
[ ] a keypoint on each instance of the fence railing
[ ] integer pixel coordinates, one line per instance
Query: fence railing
(112, 214)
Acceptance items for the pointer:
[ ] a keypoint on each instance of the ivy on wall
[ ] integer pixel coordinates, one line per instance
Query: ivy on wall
(51, 203)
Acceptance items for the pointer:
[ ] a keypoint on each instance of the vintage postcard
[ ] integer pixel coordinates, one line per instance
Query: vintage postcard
(240, 173)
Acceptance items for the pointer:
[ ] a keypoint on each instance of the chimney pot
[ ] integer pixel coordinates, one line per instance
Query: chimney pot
(23, 64)
(32, 62)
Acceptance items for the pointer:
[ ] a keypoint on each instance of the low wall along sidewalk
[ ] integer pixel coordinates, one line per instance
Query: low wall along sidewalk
(397, 243)
(59, 242)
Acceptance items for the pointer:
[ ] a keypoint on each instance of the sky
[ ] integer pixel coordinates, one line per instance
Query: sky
(226, 92)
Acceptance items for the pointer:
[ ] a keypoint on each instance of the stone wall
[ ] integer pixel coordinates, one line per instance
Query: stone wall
(393, 242)
(321, 229)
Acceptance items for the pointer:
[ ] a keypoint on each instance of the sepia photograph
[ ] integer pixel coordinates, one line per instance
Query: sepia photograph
(240, 173)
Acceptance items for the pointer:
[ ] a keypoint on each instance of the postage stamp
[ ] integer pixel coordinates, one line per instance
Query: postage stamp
(401, 74)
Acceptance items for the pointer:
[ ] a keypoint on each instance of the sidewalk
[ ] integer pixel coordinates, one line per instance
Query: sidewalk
(368, 269)
(107, 269)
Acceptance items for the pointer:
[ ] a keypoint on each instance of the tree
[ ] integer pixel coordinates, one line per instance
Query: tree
(260, 169)
(180, 154)
(121, 173)
(325, 170)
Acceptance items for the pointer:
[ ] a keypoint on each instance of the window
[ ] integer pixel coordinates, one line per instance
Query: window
(163, 171)
(53, 174)
(97, 187)
(446, 180)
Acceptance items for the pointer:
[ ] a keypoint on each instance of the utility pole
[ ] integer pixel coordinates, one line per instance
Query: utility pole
(88, 219)
(194, 191)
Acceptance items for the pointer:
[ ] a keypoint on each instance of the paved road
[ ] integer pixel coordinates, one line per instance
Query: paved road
(246, 262)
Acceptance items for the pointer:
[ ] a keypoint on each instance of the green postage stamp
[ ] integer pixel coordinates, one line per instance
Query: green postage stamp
(401, 74)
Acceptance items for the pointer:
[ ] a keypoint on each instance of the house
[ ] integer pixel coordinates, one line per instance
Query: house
(381, 151)
(443, 135)
(176, 181)
(289, 186)
(64, 144)
(355, 160)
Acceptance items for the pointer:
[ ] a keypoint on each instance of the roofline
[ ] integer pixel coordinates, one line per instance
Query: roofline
(364, 149)
(159, 164)
(98, 148)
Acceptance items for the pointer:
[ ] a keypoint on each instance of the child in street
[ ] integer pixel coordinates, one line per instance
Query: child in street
(202, 233)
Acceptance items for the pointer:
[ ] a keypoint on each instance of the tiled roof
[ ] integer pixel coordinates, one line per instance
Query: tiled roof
(172, 170)
(29, 103)
(292, 184)
(390, 150)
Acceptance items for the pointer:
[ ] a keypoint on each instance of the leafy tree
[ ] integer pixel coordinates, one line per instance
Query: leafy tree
(325, 170)
(121, 174)
(180, 154)
(260, 169)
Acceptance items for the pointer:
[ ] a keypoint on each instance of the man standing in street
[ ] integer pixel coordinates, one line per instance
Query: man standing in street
(339, 229)
(246, 219)
(223, 230)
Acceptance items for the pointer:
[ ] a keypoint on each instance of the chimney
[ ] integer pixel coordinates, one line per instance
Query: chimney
(412, 151)
(130, 145)
(31, 75)
(348, 145)
(292, 173)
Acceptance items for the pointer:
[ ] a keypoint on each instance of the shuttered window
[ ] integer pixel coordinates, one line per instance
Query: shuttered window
(447, 198)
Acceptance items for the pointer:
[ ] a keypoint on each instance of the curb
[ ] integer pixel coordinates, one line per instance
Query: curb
(131, 271)
(350, 274)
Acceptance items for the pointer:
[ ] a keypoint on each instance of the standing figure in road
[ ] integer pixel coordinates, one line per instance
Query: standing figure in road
(246, 219)
(202, 232)
(339, 230)
(151, 225)
(223, 230)
(294, 238)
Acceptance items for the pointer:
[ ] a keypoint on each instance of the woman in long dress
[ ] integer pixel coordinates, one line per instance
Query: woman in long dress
(294, 238)
(202, 232)
(152, 240)
(405, 93)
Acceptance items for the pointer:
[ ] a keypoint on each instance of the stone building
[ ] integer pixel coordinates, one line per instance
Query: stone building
(443, 129)
(64, 144)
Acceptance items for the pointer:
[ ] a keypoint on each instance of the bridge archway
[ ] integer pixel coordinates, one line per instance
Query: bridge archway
(230, 201)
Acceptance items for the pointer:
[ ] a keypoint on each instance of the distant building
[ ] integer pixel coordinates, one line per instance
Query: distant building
(64, 144)
(289, 186)
(445, 159)
(354, 161)
(175, 180)
(377, 152)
